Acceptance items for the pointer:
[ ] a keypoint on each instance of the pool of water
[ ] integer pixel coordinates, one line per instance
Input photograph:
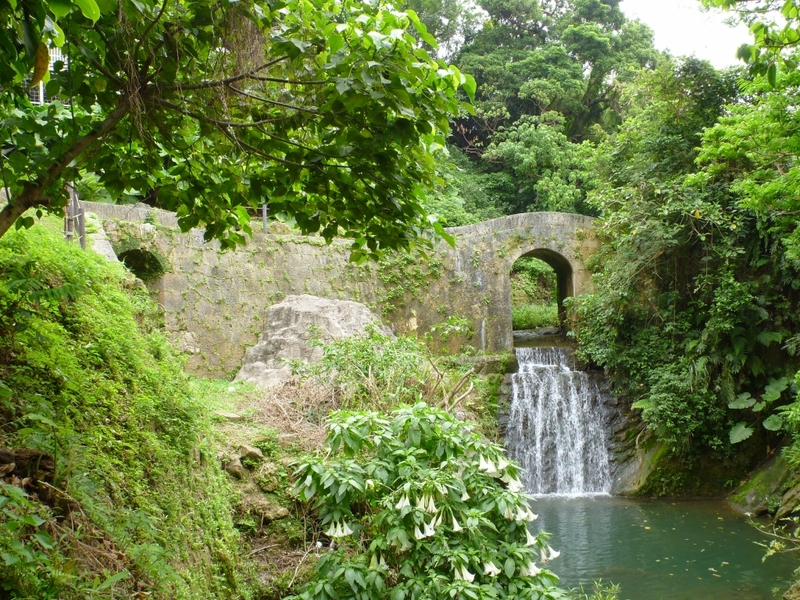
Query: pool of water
(661, 550)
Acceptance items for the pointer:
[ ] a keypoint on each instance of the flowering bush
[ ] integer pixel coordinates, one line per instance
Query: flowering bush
(417, 506)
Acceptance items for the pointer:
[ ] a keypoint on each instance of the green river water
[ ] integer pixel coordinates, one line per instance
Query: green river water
(661, 550)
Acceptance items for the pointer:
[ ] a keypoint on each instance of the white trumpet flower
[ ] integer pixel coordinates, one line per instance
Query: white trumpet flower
(456, 526)
(530, 571)
(464, 574)
(502, 463)
(491, 569)
(405, 545)
(431, 506)
(486, 464)
(421, 502)
(428, 529)
(377, 562)
(531, 538)
(552, 553)
(514, 484)
(337, 530)
(509, 514)
(464, 496)
(529, 516)
(403, 503)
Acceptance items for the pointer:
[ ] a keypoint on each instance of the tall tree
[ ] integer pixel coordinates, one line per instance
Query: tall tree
(326, 110)
(549, 75)
(533, 57)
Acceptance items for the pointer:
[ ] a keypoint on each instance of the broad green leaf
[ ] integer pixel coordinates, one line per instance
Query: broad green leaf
(773, 422)
(744, 400)
(44, 539)
(774, 389)
(336, 42)
(510, 567)
(60, 8)
(89, 9)
(469, 86)
(740, 432)
(772, 74)
(768, 337)
(112, 580)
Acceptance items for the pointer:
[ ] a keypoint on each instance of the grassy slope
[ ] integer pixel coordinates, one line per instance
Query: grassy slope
(143, 506)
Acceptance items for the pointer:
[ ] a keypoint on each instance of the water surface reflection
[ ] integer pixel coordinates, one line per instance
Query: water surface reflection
(661, 550)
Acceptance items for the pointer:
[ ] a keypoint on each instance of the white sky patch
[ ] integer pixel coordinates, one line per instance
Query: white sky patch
(685, 29)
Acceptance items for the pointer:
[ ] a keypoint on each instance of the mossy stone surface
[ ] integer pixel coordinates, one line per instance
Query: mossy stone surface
(755, 496)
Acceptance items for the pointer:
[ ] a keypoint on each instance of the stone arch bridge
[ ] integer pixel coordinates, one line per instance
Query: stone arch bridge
(214, 301)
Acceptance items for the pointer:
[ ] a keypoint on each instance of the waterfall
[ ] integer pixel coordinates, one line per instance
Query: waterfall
(557, 427)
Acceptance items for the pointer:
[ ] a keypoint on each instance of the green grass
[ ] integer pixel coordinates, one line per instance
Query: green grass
(138, 501)
(533, 316)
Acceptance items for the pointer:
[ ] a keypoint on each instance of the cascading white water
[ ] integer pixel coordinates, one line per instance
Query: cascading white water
(557, 425)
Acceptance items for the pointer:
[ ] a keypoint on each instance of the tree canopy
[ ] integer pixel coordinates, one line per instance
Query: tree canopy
(549, 76)
(327, 111)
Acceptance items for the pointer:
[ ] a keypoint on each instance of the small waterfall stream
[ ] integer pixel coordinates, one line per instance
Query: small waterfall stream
(557, 427)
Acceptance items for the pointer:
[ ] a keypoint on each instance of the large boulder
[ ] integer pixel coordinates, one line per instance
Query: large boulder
(289, 326)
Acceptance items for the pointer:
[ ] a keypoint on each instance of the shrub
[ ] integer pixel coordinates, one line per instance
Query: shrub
(420, 506)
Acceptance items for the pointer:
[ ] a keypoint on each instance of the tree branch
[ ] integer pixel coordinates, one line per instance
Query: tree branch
(33, 193)
(294, 81)
(268, 101)
(222, 82)
(217, 122)
(147, 31)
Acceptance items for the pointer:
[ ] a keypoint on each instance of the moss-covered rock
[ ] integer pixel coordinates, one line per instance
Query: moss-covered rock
(761, 492)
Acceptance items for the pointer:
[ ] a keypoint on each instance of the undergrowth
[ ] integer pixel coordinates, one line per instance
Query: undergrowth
(135, 504)
(533, 316)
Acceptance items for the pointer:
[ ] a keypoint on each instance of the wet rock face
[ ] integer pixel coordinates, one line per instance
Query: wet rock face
(290, 325)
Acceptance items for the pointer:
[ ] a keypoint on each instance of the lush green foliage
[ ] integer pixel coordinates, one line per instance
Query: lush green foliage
(533, 316)
(549, 75)
(466, 193)
(328, 111)
(533, 281)
(533, 294)
(698, 289)
(420, 506)
(373, 370)
(379, 371)
(138, 502)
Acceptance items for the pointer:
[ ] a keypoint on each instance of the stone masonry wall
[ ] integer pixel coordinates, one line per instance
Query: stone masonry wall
(214, 302)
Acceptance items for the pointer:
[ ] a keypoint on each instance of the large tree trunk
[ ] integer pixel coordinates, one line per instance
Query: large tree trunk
(32, 195)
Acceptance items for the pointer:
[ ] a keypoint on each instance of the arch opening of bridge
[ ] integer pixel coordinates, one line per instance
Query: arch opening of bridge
(564, 275)
(145, 265)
